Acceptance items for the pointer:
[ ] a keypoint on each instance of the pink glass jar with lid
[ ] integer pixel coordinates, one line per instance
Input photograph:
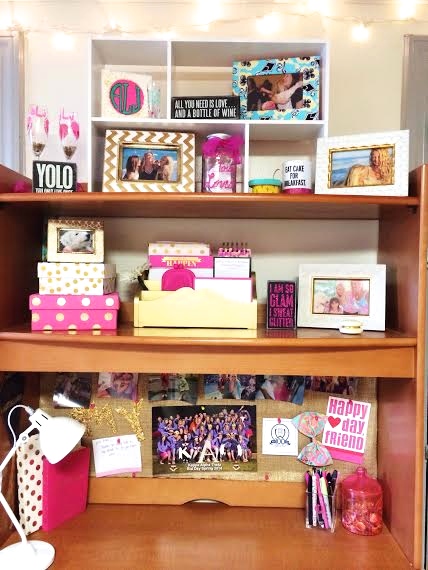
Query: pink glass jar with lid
(362, 502)
(221, 154)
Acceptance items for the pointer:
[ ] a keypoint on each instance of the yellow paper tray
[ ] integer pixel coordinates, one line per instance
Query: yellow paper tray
(187, 308)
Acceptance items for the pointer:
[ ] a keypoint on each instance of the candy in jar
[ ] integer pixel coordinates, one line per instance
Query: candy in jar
(220, 156)
(362, 504)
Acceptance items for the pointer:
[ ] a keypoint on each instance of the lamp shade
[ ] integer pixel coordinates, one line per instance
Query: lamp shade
(58, 435)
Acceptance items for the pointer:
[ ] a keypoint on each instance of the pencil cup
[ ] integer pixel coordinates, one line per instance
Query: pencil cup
(321, 515)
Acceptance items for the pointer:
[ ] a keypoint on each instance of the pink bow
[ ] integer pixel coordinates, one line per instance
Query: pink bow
(312, 424)
(230, 146)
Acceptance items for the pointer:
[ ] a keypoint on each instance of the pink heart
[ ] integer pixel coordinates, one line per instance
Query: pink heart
(334, 422)
(63, 130)
(75, 129)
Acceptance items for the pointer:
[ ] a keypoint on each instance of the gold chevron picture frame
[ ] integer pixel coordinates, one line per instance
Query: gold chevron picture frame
(149, 161)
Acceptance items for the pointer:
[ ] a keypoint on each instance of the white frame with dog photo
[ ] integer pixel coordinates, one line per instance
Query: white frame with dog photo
(84, 243)
(372, 318)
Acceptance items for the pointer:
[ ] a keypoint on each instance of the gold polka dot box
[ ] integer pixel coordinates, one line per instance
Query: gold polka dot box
(74, 312)
(76, 278)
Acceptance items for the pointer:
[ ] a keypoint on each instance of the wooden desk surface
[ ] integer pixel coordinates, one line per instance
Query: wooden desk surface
(212, 537)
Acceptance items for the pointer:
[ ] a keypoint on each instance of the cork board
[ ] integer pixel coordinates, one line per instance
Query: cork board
(270, 468)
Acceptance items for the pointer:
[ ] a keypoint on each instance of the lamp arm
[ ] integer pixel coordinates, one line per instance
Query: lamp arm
(21, 439)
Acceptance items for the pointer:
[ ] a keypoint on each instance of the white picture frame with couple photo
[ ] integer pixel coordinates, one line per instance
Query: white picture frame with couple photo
(330, 294)
(375, 164)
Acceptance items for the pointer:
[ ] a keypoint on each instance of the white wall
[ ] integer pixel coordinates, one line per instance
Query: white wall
(365, 96)
(58, 79)
(365, 79)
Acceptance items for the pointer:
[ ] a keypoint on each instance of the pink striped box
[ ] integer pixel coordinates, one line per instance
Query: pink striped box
(74, 312)
(188, 261)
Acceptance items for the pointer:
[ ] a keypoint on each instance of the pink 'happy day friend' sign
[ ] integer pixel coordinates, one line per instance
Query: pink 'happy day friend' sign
(345, 431)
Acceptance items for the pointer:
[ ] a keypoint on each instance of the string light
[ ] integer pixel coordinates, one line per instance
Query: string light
(360, 32)
(268, 24)
(406, 9)
(63, 41)
(317, 6)
(114, 28)
(203, 27)
(208, 12)
(168, 34)
(14, 25)
(5, 24)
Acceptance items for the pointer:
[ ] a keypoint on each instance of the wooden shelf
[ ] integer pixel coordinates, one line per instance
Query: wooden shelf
(159, 537)
(301, 352)
(236, 206)
(200, 127)
(273, 130)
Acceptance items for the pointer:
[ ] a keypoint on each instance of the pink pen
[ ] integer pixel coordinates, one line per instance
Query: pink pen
(321, 502)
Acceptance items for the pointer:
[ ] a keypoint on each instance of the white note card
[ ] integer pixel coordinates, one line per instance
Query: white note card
(280, 437)
(118, 454)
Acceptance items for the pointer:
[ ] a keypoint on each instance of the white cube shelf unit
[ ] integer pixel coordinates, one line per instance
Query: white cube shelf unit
(204, 67)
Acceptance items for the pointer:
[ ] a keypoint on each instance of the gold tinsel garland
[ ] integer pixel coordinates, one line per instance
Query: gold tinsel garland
(94, 414)
(133, 417)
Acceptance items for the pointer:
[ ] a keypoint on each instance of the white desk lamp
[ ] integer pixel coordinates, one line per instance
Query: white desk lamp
(58, 436)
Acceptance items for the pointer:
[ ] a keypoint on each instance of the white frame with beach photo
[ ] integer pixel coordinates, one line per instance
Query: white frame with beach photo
(394, 144)
(373, 319)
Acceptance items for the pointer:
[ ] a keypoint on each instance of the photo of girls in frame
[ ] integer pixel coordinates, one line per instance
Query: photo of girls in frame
(230, 386)
(286, 89)
(275, 92)
(171, 386)
(343, 385)
(157, 163)
(341, 296)
(204, 439)
(121, 385)
(72, 390)
(365, 166)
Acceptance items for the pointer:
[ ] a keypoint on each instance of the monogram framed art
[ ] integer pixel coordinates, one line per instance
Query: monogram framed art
(125, 94)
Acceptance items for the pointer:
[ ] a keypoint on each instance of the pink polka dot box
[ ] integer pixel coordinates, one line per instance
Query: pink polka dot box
(74, 312)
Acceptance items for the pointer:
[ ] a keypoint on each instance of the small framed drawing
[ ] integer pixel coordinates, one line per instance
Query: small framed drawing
(330, 293)
(285, 88)
(375, 164)
(149, 161)
(75, 240)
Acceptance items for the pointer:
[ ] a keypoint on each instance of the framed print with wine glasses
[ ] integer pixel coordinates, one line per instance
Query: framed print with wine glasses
(149, 161)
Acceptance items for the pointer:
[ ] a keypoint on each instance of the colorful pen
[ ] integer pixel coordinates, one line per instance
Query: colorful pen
(308, 480)
(321, 502)
(324, 493)
(314, 499)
